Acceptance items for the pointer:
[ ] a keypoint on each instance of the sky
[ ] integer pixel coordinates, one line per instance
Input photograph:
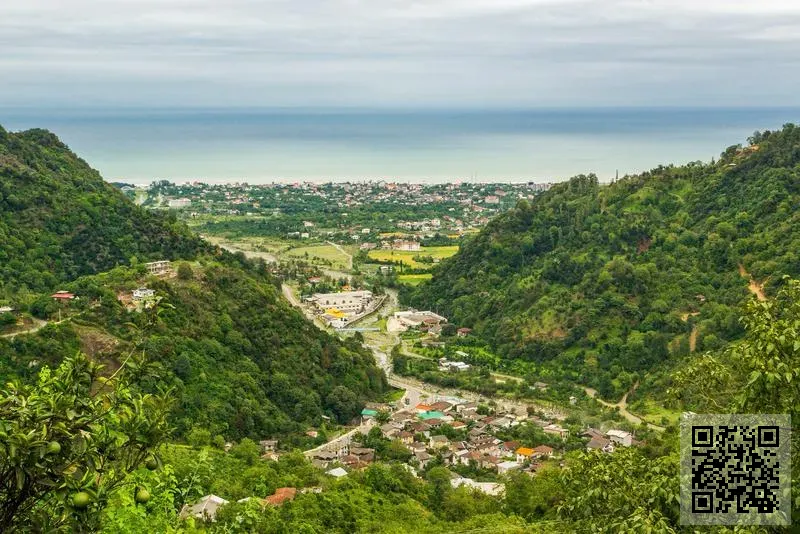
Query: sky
(399, 53)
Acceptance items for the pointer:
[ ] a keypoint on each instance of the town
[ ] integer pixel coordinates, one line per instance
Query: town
(357, 212)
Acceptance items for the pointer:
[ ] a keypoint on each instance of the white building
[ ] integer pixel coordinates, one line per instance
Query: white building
(489, 488)
(346, 301)
(205, 508)
(415, 319)
(179, 203)
(143, 293)
(158, 267)
(620, 437)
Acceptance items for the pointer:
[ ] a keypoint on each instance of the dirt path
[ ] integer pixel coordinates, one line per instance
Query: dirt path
(754, 287)
(622, 405)
(38, 324)
(340, 249)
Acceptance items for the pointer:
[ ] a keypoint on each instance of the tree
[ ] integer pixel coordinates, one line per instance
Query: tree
(68, 442)
(185, 271)
(199, 437)
(247, 450)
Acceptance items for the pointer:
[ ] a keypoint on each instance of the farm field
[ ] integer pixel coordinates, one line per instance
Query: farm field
(407, 257)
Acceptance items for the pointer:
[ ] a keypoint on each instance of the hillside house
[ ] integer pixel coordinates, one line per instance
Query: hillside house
(143, 293)
(620, 437)
(205, 509)
(556, 430)
(506, 467)
(542, 451)
(159, 268)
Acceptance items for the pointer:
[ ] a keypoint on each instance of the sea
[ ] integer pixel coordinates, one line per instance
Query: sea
(425, 145)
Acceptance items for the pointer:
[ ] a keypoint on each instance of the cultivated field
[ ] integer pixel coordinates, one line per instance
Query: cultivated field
(407, 258)
(413, 279)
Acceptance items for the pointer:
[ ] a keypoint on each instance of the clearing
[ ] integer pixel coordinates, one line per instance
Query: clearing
(754, 287)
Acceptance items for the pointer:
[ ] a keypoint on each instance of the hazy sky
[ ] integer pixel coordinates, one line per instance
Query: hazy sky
(391, 53)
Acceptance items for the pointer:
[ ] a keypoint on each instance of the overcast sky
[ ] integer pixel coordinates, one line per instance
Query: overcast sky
(399, 53)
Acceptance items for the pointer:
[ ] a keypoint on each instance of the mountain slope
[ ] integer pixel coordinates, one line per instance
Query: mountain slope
(595, 282)
(60, 220)
(240, 360)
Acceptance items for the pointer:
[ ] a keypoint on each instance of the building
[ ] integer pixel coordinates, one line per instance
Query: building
(337, 472)
(408, 246)
(143, 293)
(179, 203)
(206, 508)
(351, 302)
(505, 467)
(489, 488)
(541, 451)
(463, 332)
(620, 437)
(62, 295)
(556, 430)
(158, 267)
(417, 319)
(525, 454)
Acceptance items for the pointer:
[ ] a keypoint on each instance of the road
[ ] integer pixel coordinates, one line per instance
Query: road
(38, 324)
(622, 405)
(339, 442)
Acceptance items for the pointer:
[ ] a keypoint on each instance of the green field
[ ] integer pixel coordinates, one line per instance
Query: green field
(323, 252)
(413, 279)
(407, 257)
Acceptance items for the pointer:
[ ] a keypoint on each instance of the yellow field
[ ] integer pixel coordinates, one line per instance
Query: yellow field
(413, 279)
(407, 257)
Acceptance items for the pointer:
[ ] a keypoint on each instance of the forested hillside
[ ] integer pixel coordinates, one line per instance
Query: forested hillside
(239, 359)
(60, 220)
(601, 281)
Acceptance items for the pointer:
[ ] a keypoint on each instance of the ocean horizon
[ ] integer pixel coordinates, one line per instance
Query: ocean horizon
(429, 145)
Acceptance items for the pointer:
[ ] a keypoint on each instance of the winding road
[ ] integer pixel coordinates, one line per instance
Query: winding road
(622, 405)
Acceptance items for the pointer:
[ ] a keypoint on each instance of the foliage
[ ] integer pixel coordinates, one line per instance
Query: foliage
(60, 220)
(595, 282)
(72, 431)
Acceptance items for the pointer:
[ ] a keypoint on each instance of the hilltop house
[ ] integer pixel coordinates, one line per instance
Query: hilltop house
(206, 508)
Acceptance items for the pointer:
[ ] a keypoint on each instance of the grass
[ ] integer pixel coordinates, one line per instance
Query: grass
(652, 412)
(407, 257)
(327, 253)
(413, 279)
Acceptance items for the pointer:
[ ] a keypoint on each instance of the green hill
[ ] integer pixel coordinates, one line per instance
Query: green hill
(241, 360)
(601, 282)
(60, 220)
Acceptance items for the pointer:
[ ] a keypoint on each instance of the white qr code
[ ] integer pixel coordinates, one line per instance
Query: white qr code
(735, 469)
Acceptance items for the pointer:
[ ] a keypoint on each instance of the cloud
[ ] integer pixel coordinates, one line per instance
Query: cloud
(398, 53)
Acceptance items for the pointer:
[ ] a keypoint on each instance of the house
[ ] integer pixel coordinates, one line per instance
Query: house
(439, 442)
(441, 406)
(556, 430)
(458, 425)
(542, 451)
(366, 413)
(423, 458)
(406, 437)
(500, 422)
(281, 496)
(206, 508)
(460, 457)
(430, 415)
(463, 332)
(418, 446)
(489, 488)
(179, 203)
(422, 408)
(143, 293)
(466, 407)
(505, 467)
(62, 295)
(268, 445)
(620, 437)
(509, 447)
(600, 443)
(417, 319)
(158, 268)
(525, 454)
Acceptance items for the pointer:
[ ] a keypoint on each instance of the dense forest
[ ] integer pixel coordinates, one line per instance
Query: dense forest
(609, 281)
(60, 220)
